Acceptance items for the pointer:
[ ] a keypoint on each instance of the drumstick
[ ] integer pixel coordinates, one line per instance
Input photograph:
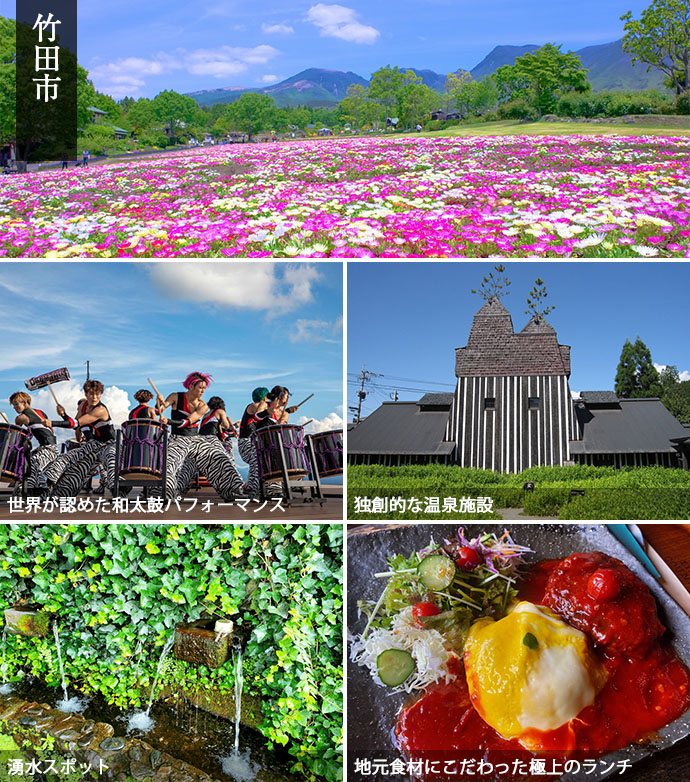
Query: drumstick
(306, 423)
(4, 416)
(50, 388)
(158, 407)
(303, 401)
(158, 393)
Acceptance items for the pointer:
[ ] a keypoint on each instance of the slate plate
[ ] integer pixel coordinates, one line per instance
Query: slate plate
(372, 712)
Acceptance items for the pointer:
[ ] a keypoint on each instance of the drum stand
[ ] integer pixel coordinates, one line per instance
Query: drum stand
(159, 483)
(11, 491)
(294, 486)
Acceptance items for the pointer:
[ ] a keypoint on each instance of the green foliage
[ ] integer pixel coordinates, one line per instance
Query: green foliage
(683, 103)
(7, 79)
(384, 88)
(356, 108)
(542, 77)
(636, 376)
(467, 96)
(494, 287)
(516, 109)
(660, 493)
(535, 300)
(675, 394)
(174, 111)
(661, 39)
(118, 591)
(613, 103)
(415, 100)
(252, 113)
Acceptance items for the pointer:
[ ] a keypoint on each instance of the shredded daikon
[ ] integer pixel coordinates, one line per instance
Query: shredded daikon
(427, 647)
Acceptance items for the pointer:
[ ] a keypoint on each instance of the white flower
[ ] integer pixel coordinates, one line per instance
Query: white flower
(591, 241)
(646, 252)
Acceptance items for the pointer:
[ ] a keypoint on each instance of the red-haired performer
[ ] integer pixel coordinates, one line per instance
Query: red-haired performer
(73, 469)
(41, 428)
(207, 453)
(215, 425)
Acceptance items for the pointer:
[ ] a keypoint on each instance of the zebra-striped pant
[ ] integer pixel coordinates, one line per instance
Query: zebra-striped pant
(248, 454)
(40, 457)
(79, 464)
(188, 474)
(209, 458)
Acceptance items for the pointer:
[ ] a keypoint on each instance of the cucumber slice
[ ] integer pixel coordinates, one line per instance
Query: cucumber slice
(394, 666)
(436, 572)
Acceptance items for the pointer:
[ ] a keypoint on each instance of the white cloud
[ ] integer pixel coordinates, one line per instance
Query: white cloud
(682, 374)
(219, 9)
(269, 78)
(69, 393)
(273, 287)
(41, 351)
(125, 75)
(315, 330)
(277, 29)
(338, 21)
(331, 421)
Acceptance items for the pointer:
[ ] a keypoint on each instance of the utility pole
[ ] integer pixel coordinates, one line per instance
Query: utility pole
(365, 375)
(394, 396)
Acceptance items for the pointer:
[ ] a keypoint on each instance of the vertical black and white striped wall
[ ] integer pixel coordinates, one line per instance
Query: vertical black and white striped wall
(511, 437)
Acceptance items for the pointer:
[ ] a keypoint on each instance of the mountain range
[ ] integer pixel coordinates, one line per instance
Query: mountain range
(609, 68)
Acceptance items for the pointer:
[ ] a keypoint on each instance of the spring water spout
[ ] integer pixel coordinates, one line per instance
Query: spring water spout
(6, 688)
(67, 704)
(142, 720)
(239, 685)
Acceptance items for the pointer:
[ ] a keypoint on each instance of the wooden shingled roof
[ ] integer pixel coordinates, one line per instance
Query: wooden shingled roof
(495, 349)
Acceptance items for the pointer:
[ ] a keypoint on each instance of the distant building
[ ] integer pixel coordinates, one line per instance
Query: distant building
(513, 408)
(95, 113)
(443, 115)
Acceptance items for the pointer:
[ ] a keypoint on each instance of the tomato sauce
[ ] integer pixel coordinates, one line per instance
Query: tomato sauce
(647, 687)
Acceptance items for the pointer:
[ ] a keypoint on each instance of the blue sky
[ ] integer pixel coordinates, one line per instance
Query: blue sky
(406, 319)
(249, 325)
(140, 48)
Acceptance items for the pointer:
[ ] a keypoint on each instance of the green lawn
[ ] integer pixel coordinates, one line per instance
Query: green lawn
(644, 126)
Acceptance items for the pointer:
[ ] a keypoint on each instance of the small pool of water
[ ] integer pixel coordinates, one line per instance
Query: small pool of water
(184, 731)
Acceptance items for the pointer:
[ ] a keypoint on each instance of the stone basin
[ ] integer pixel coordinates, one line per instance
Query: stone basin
(199, 644)
(27, 621)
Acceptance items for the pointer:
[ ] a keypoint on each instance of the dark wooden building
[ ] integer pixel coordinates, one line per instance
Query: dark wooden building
(513, 408)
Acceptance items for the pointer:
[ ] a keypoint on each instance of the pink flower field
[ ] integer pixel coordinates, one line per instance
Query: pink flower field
(513, 196)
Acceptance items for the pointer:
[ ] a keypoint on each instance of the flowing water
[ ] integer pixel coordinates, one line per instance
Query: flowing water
(142, 720)
(239, 686)
(239, 765)
(70, 705)
(6, 687)
(211, 748)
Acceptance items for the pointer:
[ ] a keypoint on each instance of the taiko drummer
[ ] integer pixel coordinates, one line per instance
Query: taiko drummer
(206, 453)
(267, 409)
(41, 428)
(73, 469)
(142, 410)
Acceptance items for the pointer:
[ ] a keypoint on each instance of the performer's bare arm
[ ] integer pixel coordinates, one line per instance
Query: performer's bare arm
(198, 412)
(225, 422)
(171, 401)
(97, 414)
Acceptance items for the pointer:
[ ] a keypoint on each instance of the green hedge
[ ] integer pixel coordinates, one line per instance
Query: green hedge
(117, 592)
(628, 493)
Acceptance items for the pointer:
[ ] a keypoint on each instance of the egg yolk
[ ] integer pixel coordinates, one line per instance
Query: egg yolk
(529, 674)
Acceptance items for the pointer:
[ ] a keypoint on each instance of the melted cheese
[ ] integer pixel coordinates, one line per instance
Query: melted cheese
(522, 691)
